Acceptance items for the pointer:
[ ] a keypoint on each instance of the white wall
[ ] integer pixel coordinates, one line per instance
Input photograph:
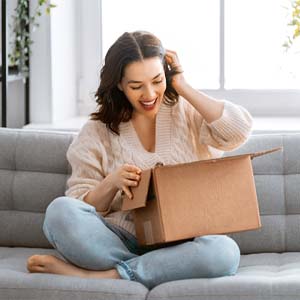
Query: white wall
(89, 43)
(40, 71)
(54, 64)
(63, 60)
(65, 64)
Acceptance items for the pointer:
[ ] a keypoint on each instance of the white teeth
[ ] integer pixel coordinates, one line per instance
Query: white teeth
(148, 103)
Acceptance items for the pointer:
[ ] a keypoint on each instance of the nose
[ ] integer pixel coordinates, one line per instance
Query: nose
(149, 93)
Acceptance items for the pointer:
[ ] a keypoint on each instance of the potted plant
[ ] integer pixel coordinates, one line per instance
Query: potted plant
(294, 22)
(21, 41)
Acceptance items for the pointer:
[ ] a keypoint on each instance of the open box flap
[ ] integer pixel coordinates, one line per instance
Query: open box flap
(252, 155)
(204, 161)
(139, 193)
(265, 152)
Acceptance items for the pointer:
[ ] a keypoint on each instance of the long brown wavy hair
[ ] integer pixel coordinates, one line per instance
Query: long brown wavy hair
(113, 106)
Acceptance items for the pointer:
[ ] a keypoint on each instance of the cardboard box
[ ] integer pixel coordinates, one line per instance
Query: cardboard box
(215, 196)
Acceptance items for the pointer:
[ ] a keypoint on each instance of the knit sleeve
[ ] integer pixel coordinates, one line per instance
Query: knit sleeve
(228, 132)
(86, 156)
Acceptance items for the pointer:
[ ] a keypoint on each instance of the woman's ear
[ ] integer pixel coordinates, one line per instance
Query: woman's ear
(120, 87)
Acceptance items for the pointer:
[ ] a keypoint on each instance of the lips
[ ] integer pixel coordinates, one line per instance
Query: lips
(148, 103)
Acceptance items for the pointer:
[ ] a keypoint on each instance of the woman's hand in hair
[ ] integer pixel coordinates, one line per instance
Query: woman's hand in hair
(178, 80)
(125, 177)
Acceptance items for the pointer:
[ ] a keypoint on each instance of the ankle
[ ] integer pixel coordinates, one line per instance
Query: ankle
(113, 273)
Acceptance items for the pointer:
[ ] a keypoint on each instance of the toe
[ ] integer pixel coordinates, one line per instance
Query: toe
(32, 265)
(34, 260)
(36, 269)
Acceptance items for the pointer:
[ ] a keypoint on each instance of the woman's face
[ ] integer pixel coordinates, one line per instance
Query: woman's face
(144, 84)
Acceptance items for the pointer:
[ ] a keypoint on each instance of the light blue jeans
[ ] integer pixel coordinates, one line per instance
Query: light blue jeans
(85, 239)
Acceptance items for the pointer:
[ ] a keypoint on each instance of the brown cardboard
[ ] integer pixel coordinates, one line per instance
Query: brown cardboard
(176, 202)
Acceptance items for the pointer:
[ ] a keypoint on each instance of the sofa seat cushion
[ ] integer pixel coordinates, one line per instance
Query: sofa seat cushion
(260, 276)
(17, 283)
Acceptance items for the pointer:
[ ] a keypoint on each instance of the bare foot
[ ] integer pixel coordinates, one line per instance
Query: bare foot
(52, 264)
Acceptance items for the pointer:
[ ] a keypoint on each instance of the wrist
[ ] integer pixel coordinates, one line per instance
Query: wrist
(109, 181)
(183, 89)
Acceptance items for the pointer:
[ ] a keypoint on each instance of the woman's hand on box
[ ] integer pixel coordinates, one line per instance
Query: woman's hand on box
(125, 177)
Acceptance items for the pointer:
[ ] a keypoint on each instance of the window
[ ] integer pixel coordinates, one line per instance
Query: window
(191, 30)
(229, 48)
(254, 57)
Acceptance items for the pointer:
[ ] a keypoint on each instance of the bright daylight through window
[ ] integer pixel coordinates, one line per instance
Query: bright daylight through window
(191, 30)
(229, 48)
(252, 55)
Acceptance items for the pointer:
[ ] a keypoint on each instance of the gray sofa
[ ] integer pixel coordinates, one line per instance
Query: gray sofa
(34, 170)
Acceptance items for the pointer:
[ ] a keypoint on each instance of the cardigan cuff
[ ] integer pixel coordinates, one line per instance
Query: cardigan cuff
(235, 124)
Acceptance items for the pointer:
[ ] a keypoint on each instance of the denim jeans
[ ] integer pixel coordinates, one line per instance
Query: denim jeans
(85, 239)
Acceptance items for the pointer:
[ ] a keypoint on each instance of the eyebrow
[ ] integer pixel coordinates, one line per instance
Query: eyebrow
(135, 81)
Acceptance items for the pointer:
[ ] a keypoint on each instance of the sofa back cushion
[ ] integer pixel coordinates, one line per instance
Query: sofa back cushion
(33, 172)
(277, 180)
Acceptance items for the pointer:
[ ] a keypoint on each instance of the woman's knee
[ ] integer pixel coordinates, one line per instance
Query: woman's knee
(224, 253)
(62, 212)
(230, 255)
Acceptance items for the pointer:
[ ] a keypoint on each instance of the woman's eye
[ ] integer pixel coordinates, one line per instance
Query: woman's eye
(138, 87)
(157, 82)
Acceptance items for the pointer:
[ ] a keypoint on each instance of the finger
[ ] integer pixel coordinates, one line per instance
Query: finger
(169, 59)
(177, 68)
(170, 55)
(173, 61)
(127, 192)
(128, 182)
(170, 51)
(132, 168)
(131, 175)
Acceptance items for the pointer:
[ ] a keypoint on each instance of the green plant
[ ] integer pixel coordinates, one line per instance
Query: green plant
(21, 41)
(293, 22)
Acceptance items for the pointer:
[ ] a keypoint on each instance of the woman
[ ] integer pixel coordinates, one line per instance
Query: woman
(147, 113)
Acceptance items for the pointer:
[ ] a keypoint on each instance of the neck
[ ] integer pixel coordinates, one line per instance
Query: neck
(142, 119)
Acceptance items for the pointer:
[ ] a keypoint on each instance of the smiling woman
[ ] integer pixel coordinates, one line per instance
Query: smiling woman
(147, 113)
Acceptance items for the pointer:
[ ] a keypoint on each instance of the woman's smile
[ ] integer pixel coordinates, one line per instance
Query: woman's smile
(149, 104)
